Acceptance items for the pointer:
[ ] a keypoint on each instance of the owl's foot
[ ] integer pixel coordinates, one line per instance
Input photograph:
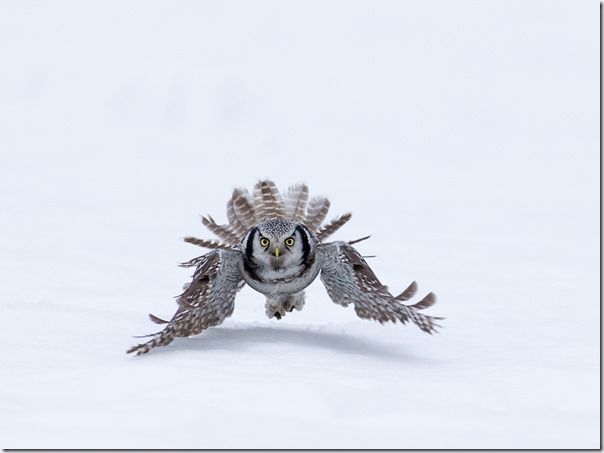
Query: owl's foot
(274, 311)
(294, 301)
(280, 305)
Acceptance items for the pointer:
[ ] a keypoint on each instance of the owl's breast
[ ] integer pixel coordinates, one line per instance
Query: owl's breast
(270, 281)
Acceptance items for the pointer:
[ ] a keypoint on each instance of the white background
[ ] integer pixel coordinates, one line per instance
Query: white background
(463, 136)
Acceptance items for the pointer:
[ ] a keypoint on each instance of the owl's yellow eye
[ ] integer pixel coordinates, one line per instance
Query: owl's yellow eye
(289, 241)
(264, 242)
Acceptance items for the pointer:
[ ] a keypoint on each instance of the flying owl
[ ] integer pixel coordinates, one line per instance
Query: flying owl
(275, 244)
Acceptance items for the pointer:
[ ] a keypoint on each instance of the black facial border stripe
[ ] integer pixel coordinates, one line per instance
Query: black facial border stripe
(249, 247)
(305, 243)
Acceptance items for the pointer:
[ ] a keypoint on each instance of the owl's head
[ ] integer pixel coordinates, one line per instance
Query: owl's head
(279, 244)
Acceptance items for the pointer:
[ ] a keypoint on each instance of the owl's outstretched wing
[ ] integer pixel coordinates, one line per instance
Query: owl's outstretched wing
(207, 301)
(349, 279)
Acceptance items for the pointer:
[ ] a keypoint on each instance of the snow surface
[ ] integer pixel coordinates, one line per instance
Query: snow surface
(463, 136)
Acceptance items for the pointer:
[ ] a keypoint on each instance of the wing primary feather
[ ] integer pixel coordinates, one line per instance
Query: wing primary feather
(157, 320)
(359, 240)
(427, 301)
(333, 226)
(145, 336)
(222, 231)
(208, 243)
(408, 293)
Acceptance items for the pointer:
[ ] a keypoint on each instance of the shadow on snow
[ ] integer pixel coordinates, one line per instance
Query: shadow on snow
(248, 337)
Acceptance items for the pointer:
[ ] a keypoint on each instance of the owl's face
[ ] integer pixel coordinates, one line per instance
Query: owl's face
(278, 244)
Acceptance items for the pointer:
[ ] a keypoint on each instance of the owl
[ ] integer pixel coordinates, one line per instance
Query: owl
(275, 243)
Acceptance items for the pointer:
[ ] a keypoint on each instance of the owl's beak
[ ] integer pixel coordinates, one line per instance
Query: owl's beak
(276, 252)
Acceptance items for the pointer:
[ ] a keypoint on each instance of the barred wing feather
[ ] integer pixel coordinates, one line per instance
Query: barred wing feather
(349, 279)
